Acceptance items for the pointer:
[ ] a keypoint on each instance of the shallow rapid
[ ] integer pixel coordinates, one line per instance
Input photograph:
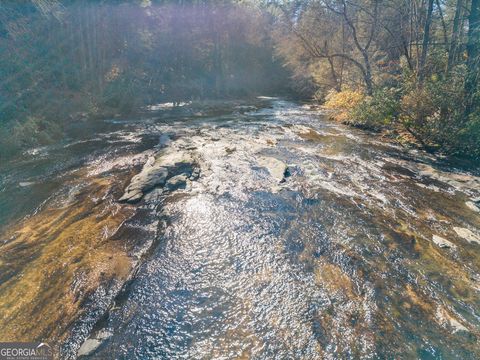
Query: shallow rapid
(298, 238)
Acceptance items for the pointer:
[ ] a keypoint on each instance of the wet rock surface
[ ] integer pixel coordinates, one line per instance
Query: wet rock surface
(467, 234)
(277, 168)
(443, 243)
(247, 231)
(93, 342)
(166, 167)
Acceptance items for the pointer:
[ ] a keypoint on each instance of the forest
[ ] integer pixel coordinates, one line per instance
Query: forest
(408, 68)
(240, 179)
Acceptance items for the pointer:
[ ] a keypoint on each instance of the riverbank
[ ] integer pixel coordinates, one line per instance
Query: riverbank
(411, 120)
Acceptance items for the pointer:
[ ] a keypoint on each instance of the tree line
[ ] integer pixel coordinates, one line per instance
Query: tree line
(407, 65)
(63, 58)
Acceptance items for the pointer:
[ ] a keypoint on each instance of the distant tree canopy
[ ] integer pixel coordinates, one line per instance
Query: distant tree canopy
(58, 57)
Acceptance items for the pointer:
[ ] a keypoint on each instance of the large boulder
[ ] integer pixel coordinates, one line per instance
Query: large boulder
(157, 170)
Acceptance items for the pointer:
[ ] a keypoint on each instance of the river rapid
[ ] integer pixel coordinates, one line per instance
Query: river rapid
(277, 234)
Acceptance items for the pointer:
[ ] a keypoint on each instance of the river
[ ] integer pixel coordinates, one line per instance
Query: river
(287, 236)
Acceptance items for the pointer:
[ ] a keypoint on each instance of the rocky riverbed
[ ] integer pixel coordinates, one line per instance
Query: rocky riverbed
(244, 229)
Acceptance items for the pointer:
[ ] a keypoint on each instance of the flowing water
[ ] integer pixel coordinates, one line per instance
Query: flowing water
(300, 239)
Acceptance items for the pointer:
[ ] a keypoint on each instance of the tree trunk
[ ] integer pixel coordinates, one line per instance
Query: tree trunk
(444, 26)
(366, 68)
(425, 42)
(454, 40)
(473, 56)
(368, 73)
(338, 86)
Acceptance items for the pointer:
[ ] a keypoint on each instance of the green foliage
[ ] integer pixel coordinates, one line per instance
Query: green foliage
(433, 111)
(122, 94)
(378, 110)
(468, 142)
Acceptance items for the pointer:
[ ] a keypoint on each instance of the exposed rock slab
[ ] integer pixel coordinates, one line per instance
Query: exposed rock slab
(156, 171)
(443, 243)
(176, 182)
(471, 205)
(467, 234)
(277, 168)
(146, 180)
(448, 320)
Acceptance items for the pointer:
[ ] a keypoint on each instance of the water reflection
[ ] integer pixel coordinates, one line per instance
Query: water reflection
(339, 263)
(300, 239)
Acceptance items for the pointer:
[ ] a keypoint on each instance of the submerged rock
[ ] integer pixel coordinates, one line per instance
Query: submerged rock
(91, 344)
(443, 243)
(230, 150)
(467, 235)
